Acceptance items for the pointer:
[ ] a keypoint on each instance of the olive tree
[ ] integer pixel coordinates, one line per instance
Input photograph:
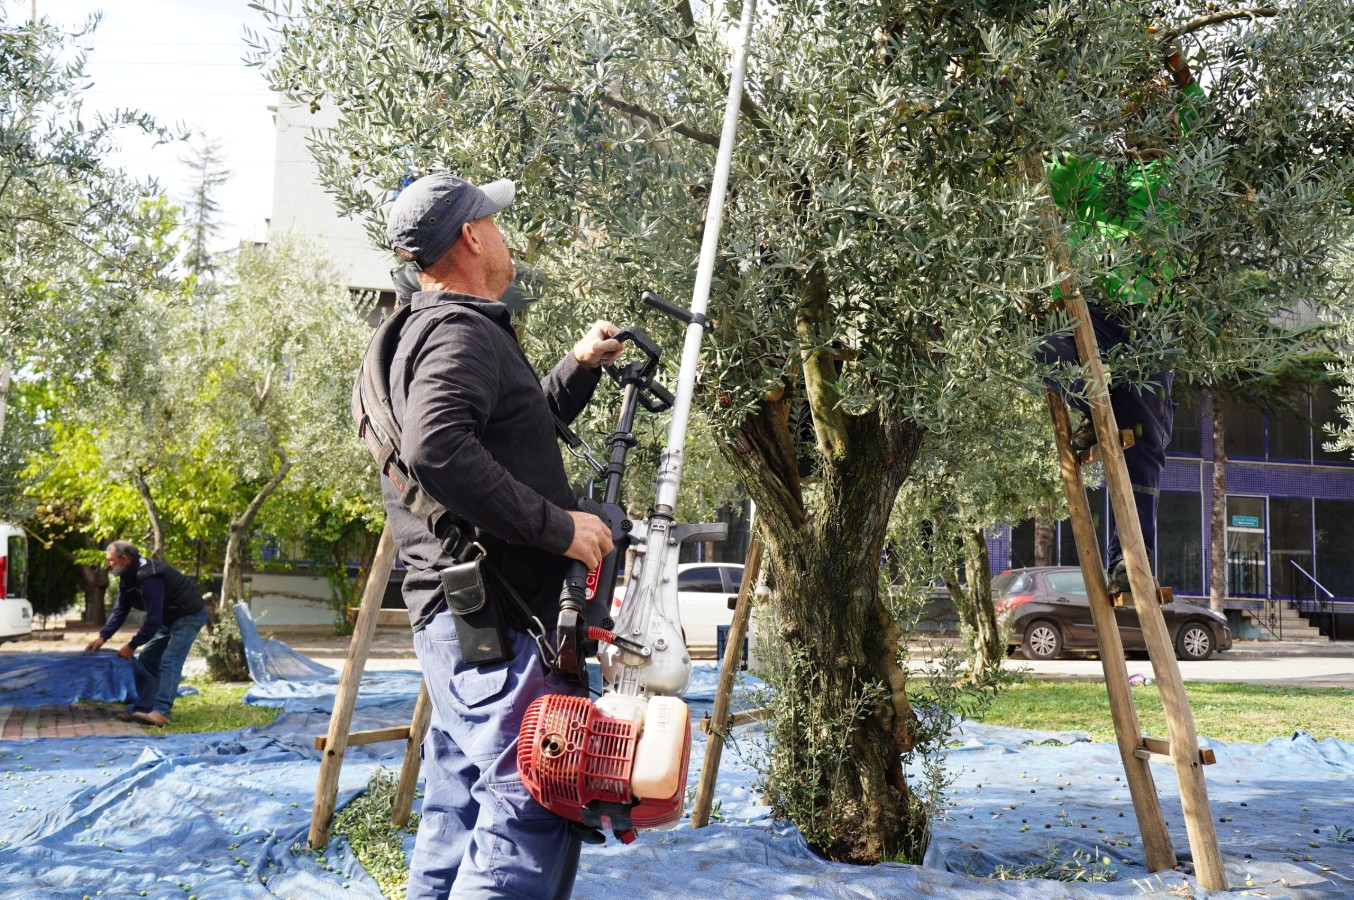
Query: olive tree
(884, 243)
(81, 240)
(270, 369)
(960, 489)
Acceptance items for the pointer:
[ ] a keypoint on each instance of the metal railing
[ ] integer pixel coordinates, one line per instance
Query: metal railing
(1318, 608)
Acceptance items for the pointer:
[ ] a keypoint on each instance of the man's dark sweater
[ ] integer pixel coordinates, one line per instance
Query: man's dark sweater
(162, 591)
(479, 438)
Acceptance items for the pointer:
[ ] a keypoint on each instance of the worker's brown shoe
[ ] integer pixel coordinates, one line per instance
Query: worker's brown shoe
(1084, 437)
(151, 718)
(124, 717)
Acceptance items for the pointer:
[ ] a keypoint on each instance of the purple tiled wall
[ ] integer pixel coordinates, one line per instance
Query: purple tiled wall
(1194, 475)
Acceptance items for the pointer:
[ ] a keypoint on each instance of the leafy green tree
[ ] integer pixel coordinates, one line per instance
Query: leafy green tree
(81, 239)
(201, 208)
(885, 237)
(1341, 438)
(272, 364)
(229, 394)
(996, 465)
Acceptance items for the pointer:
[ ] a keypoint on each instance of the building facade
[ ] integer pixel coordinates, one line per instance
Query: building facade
(301, 204)
(1289, 509)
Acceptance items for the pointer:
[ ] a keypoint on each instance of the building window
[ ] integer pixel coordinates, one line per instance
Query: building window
(1290, 438)
(1067, 545)
(1245, 430)
(1022, 544)
(1326, 411)
(1185, 431)
(1335, 546)
(1180, 562)
(1246, 547)
(1290, 543)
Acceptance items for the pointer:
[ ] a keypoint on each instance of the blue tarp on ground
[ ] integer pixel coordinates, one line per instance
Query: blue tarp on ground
(60, 679)
(220, 813)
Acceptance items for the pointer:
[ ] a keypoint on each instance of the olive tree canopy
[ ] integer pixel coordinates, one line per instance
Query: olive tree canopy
(883, 256)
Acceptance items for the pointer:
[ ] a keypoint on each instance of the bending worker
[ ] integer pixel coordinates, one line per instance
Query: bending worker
(1110, 204)
(479, 438)
(175, 614)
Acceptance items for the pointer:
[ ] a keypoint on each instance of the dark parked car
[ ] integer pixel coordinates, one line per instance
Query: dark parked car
(1049, 612)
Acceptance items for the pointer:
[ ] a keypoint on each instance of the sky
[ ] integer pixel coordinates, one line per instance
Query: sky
(182, 61)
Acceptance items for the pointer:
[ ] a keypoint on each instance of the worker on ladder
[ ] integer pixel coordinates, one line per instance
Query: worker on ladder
(1110, 204)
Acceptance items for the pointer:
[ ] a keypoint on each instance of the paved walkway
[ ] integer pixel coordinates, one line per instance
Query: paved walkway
(1308, 664)
(76, 720)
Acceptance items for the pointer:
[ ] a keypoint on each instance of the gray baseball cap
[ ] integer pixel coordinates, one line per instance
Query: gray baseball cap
(427, 216)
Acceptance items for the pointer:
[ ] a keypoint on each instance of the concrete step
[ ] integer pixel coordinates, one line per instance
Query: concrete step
(1291, 625)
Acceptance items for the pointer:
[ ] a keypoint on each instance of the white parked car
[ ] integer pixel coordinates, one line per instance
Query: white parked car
(703, 592)
(16, 613)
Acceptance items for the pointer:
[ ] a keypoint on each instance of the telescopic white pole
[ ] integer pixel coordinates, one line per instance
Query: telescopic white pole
(670, 471)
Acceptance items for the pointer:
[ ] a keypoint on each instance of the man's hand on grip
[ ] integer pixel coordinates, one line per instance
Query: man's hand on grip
(598, 347)
(592, 539)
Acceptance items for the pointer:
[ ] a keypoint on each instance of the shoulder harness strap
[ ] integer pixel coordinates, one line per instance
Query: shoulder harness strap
(375, 418)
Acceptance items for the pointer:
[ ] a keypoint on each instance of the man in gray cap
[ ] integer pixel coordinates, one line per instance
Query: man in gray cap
(479, 438)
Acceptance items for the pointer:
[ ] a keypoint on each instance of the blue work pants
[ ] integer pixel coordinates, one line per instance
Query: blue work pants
(1148, 410)
(481, 835)
(161, 662)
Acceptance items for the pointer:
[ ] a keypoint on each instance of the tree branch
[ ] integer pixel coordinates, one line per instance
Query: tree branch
(746, 105)
(247, 517)
(1217, 18)
(820, 369)
(157, 550)
(615, 101)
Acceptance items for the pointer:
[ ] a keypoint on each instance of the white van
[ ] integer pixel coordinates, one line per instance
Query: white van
(16, 613)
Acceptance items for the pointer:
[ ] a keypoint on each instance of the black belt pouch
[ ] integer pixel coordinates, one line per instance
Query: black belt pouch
(480, 627)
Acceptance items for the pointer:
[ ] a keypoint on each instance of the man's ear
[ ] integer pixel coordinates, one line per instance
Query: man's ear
(470, 238)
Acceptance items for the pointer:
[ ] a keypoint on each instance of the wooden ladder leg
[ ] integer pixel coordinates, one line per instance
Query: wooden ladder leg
(345, 698)
(1156, 839)
(1203, 837)
(733, 658)
(413, 759)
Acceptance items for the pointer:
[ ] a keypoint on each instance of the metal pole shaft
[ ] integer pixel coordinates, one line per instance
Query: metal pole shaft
(670, 472)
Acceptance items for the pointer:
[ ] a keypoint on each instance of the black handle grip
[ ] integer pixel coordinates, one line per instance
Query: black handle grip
(662, 393)
(571, 629)
(656, 398)
(647, 345)
(654, 301)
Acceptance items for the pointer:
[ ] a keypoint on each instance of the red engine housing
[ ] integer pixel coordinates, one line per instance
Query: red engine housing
(577, 760)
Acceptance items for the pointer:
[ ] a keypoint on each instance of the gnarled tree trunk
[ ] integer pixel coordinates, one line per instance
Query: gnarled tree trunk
(978, 616)
(157, 530)
(842, 712)
(93, 584)
(224, 647)
(232, 574)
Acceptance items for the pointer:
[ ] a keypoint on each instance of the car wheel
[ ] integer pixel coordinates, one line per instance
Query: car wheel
(1042, 640)
(1194, 641)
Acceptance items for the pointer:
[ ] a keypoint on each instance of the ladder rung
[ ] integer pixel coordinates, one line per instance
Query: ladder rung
(383, 617)
(1164, 595)
(1091, 453)
(1161, 750)
(375, 736)
(747, 717)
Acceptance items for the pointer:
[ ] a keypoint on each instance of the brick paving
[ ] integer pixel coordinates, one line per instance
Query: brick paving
(75, 720)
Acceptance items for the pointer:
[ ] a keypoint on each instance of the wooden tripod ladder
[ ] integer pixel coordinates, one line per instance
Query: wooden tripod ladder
(336, 742)
(1136, 750)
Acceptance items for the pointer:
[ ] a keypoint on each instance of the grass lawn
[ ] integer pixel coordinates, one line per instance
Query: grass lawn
(1225, 712)
(215, 707)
